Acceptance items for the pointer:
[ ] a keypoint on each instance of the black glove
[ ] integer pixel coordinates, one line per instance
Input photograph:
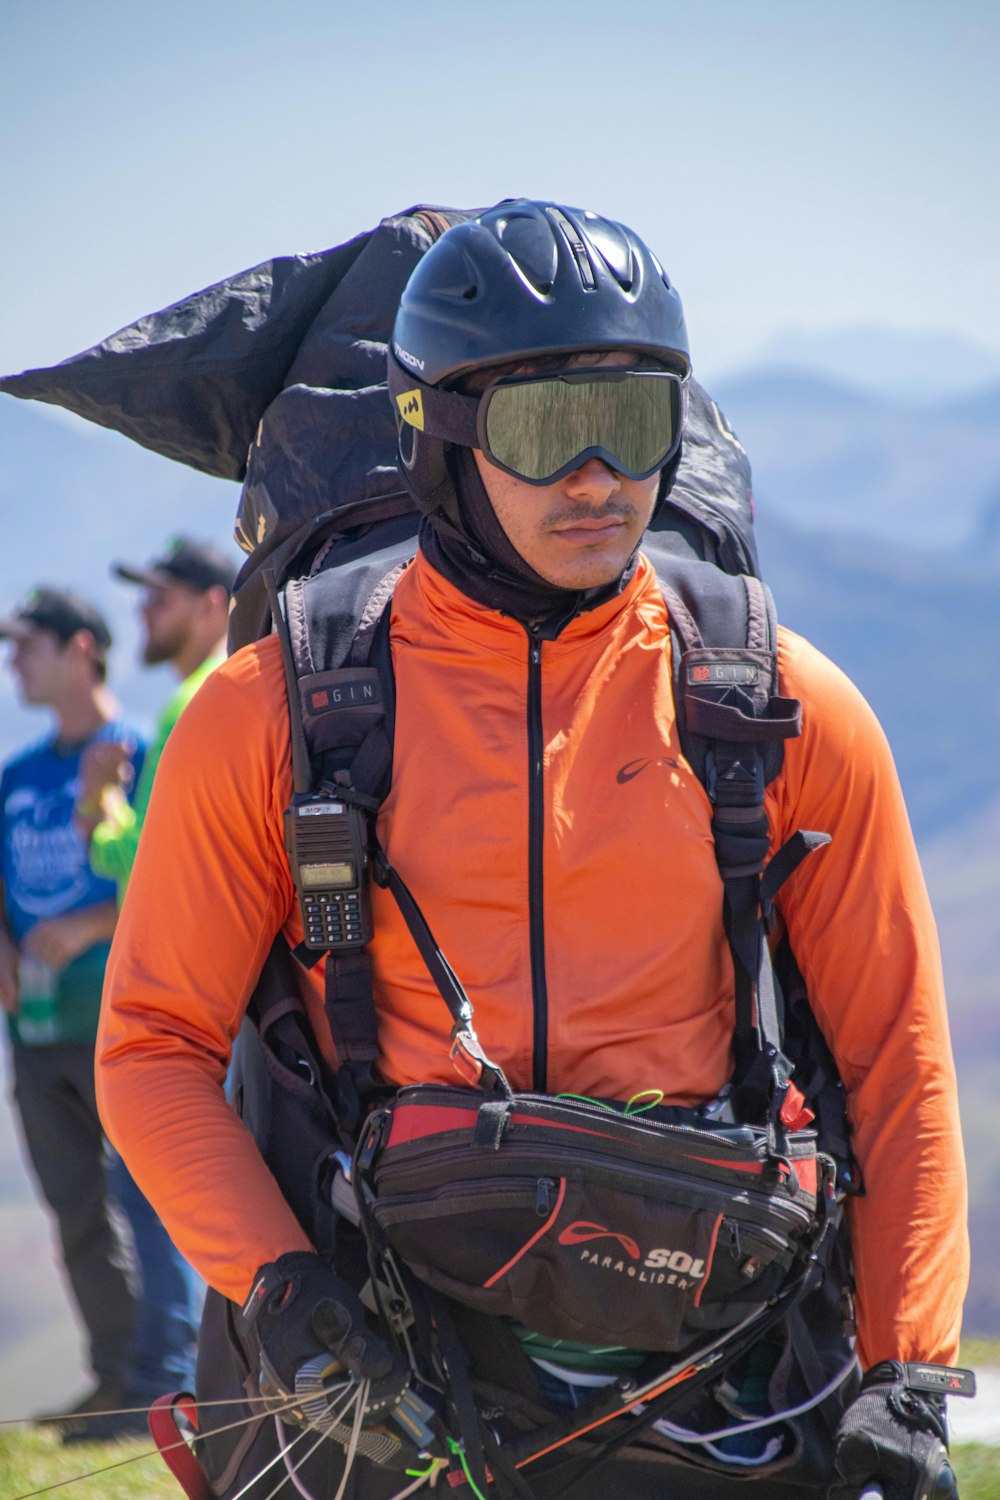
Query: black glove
(298, 1310)
(896, 1437)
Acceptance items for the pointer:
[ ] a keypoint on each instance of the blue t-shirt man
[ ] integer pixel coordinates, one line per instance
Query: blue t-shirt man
(56, 921)
(46, 873)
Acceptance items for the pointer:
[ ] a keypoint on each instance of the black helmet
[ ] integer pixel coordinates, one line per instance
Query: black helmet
(521, 281)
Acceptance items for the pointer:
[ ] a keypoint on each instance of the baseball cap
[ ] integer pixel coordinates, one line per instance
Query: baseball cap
(60, 611)
(198, 564)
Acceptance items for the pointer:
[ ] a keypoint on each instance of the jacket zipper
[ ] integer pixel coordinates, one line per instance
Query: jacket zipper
(536, 844)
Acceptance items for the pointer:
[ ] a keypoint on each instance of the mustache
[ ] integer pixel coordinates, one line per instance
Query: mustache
(613, 508)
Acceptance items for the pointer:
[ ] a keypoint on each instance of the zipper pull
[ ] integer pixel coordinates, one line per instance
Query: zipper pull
(543, 1196)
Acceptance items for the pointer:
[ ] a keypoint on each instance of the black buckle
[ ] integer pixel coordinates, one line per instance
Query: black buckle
(738, 783)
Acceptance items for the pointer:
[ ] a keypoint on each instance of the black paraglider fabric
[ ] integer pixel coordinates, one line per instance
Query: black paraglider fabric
(278, 374)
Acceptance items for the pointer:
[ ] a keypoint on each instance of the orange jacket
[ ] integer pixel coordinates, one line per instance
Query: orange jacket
(623, 981)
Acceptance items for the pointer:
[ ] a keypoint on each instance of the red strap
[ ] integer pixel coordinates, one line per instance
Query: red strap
(174, 1449)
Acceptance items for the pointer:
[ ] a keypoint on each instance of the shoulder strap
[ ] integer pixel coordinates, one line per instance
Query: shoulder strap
(334, 632)
(733, 722)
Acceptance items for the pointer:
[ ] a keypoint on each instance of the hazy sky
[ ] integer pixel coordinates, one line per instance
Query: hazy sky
(794, 164)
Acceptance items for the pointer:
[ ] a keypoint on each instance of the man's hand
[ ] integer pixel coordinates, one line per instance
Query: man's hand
(105, 764)
(105, 774)
(299, 1309)
(895, 1437)
(56, 941)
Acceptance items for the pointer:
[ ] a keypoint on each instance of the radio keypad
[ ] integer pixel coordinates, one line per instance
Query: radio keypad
(332, 920)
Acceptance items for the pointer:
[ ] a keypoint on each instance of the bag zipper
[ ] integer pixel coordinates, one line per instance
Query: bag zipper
(426, 1179)
(455, 1197)
(734, 1138)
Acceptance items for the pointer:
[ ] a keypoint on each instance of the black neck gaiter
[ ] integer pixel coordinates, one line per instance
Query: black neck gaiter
(478, 559)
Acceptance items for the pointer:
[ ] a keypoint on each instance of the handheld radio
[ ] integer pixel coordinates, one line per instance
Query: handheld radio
(326, 835)
(327, 844)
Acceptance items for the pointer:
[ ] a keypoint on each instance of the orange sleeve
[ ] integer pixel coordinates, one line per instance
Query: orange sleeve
(209, 891)
(863, 933)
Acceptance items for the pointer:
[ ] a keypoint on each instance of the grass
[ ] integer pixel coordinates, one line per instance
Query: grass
(977, 1353)
(33, 1461)
(977, 1469)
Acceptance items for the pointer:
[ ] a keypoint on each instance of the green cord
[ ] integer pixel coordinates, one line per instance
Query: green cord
(655, 1097)
(425, 1473)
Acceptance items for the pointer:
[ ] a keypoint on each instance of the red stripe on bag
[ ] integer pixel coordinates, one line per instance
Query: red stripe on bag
(755, 1167)
(708, 1260)
(414, 1122)
(427, 1119)
(806, 1172)
(561, 1125)
(534, 1238)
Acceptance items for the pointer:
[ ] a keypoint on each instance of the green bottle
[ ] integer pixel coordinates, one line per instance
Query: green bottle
(37, 1022)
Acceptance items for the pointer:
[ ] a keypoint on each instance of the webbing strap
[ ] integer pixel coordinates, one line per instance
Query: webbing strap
(349, 1008)
(348, 995)
(733, 723)
(456, 1361)
(787, 860)
(466, 1050)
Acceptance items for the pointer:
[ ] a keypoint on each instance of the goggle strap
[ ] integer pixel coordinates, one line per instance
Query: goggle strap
(441, 414)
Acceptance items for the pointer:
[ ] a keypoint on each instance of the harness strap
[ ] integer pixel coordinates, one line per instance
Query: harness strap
(172, 1446)
(456, 1362)
(363, 776)
(733, 726)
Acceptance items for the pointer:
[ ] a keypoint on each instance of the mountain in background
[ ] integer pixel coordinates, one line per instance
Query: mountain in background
(831, 457)
(921, 367)
(879, 531)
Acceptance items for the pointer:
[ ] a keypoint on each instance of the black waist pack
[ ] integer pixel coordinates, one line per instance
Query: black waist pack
(583, 1223)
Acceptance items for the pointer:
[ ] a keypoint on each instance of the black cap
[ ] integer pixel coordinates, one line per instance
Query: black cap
(198, 564)
(61, 612)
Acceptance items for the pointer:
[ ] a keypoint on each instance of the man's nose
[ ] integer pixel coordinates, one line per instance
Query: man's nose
(594, 480)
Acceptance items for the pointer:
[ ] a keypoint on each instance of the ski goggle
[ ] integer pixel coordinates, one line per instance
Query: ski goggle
(541, 427)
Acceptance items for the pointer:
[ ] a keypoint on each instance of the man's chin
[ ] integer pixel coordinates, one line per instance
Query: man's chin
(584, 572)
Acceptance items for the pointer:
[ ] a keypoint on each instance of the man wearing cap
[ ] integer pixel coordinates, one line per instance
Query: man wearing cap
(56, 921)
(184, 613)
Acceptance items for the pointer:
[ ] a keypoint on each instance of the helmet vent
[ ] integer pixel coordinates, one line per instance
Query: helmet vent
(614, 249)
(663, 275)
(529, 243)
(576, 244)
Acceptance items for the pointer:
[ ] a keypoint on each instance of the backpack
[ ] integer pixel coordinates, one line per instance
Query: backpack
(277, 377)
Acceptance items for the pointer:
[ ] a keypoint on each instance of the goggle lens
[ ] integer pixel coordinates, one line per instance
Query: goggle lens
(543, 427)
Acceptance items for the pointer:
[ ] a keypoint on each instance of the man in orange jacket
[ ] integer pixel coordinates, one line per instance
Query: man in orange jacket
(582, 907)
